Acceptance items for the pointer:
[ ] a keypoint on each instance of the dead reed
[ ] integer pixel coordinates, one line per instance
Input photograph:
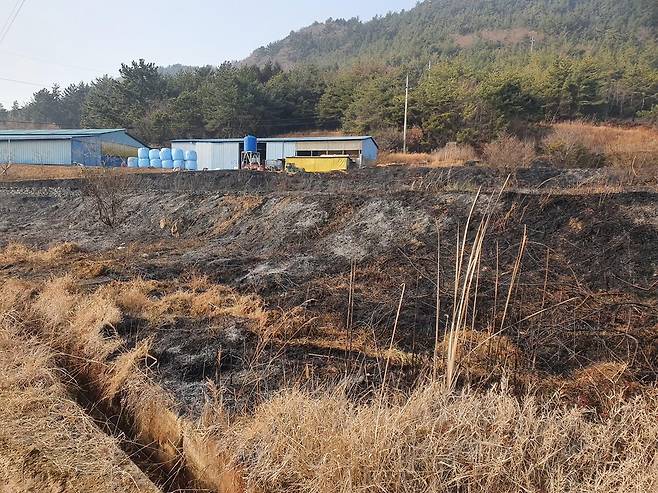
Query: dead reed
(438, 442)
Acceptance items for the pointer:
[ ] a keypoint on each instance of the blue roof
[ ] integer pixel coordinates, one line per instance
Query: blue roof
(288, 139)
(56, 134)
(63, 134)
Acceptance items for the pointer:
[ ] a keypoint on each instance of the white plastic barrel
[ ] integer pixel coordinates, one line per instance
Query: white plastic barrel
(156, 163)
(179, 164)
(154, 154)
(190, 156)
(143, 153)
(177, 154)
(144, 163)
(133, 162)
(167, 164)
(165, 154)
(190, 164)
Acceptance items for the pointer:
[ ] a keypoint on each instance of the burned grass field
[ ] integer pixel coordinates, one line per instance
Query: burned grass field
(391, 330)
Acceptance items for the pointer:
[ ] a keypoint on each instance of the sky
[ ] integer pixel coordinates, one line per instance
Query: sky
(65, 41)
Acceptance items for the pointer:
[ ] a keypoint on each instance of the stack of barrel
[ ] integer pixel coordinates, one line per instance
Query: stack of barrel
(190, 160)
(164, 158)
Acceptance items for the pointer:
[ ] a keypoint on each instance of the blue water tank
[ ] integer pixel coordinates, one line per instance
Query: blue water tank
(177, 154)
(143, 153)
(154, 154)
(250, 144)
(133, 162)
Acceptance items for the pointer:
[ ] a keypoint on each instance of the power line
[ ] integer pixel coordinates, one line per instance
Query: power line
(50, 62)
(11, 20)
(17, 81)
(11, 14)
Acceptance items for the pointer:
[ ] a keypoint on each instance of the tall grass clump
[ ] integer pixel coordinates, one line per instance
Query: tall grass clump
(438, 442)
(453, 154)
(509, 152)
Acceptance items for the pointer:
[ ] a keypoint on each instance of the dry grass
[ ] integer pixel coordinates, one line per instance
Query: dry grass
(144, 299)
(435, 439)
(47, 442)
(409, 159)
(79, 327)
(434, 442)
(27, 172)
(14, 253)
(509, 152)
(452, 154)
(583, 144)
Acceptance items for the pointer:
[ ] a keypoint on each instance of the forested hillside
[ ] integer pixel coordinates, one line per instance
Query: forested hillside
(474, 69)
(439, 28)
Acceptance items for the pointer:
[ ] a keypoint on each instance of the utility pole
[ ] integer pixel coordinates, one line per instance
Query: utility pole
(406, 112)
(532, 45)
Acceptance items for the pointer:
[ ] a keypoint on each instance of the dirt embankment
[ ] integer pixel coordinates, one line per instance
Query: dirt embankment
(585, 293)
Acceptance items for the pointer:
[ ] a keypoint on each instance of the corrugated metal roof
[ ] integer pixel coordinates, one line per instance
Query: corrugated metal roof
(288, 139)
(61, 134)
(77, 132)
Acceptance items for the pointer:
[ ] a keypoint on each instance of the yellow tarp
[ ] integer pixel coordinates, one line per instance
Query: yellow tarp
(319, 164)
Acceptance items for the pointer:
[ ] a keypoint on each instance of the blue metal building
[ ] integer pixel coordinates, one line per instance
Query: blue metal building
(90, 147)
(218, 154)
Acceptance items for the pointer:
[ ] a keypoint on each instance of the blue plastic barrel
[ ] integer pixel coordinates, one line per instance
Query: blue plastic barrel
(143, 153)
(154, 154)
(190, 156)
(144, 163)
(165, 154)
(179, 164)
(133, 162)
(190, 164)
(250, 144)
(167, 164)
(177, 154)
(156, 163)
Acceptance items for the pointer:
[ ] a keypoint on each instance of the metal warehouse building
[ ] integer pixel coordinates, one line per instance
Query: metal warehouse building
(91, 147)
(218, 154)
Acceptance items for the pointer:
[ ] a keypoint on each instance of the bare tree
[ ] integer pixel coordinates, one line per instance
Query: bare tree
(108, 190)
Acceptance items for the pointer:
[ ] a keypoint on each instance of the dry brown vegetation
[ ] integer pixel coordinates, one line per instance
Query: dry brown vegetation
(26, 172)
(47, 441)
(509, 152)
(436, 442)
(320, 440)
(565, 403)
(582, 144)
(452, 154)
(75, 325)
(18, 252)
(576, 144)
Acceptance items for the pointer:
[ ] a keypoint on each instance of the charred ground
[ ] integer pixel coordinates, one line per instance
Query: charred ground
(288, 250)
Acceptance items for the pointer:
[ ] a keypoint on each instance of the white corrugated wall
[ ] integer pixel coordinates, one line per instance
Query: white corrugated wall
(35, 151)
(218, 155)
(281, 150)
(186, 146)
